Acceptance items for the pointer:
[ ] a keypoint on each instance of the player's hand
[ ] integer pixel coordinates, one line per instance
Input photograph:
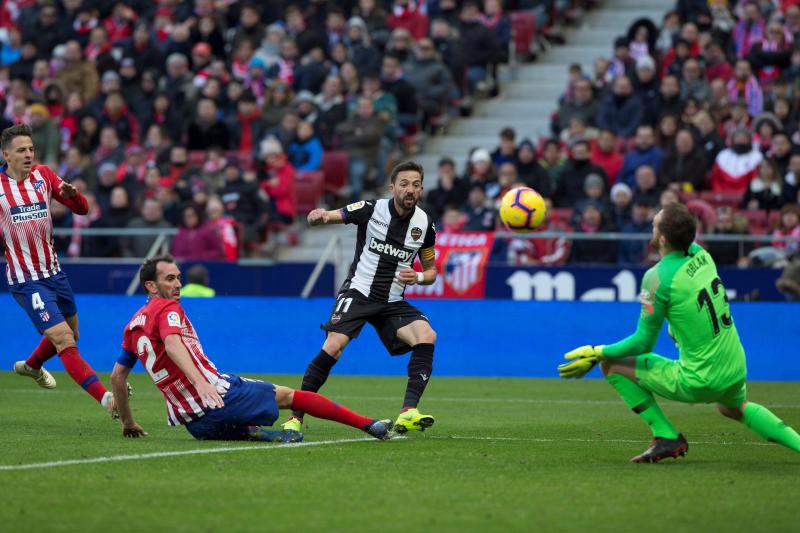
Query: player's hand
(133, 431)
(67, 190)
(582, 360)
(209, 395)
(407, 276)
(318, 216)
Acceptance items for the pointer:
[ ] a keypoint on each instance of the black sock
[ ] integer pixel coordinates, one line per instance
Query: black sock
(316, 375)
(420, 367)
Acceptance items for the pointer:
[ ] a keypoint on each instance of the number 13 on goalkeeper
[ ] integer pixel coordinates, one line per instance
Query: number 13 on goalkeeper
(685, 287)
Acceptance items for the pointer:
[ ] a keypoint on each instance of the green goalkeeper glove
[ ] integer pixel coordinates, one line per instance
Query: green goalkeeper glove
(582, 360)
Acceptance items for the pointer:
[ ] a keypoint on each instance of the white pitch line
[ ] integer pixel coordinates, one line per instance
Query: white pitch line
(624, 441)
(431, 398)
(157, 455)
(177, 453)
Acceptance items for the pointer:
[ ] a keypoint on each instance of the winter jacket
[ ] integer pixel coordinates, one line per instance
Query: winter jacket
(620, 115)
(200, 242)
(636, 158)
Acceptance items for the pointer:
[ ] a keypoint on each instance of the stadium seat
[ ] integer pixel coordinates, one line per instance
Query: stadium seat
(756, 218)
(334, 169)
(197, 158)
(773, 218)
(561, 214)
(722, 199)
(308, 189)
(523, 29)
(246, 159)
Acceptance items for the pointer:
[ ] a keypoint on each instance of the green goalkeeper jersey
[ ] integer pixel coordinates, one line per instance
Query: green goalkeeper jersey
(687, 292)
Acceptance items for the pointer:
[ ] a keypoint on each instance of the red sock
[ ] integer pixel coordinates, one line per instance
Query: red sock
(42, 353)
(321, 407)
(81, 373)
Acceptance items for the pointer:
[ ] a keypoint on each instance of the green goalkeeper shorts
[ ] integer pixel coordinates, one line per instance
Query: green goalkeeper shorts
(665, 378)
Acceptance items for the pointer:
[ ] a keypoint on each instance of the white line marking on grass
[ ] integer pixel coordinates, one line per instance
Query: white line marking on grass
(545, 401)
(178, 453)
(623, 441)
(434, 398)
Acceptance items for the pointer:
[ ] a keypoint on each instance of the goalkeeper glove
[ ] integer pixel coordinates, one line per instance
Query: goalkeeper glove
(582, 360)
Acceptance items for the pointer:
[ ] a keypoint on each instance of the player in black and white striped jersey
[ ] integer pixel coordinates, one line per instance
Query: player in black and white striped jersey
(391, 232)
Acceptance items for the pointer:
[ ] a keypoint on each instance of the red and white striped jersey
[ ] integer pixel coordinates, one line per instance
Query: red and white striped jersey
(26, 225)
(144, 337)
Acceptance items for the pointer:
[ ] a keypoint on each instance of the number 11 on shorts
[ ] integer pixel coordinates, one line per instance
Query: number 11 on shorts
(344, 305)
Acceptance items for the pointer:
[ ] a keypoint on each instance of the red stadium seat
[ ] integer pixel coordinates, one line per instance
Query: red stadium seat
(523, 29)
(334, 169)
(308, 189)
(197, 158)
(756, 218)
(772, 219)
(246, 159)
(561, 214)
(722, 199)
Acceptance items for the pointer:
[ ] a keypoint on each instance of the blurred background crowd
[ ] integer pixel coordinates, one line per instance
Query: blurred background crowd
(229, 120)
(700, 107)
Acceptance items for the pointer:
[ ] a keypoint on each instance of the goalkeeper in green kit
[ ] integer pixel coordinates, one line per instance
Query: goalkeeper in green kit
(684, 289)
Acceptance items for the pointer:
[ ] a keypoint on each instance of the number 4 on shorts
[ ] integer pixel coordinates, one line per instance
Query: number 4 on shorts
(36, 301)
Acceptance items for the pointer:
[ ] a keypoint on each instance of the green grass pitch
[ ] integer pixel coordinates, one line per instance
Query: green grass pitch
(504, 455)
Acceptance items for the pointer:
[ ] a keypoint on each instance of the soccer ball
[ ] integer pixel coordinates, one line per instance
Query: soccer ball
(522, 209)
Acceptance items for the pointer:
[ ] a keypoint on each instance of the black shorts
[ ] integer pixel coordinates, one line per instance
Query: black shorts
(352, 310)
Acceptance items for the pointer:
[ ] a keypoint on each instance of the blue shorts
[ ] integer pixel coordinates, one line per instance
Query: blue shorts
(248, 402)
(47, 301)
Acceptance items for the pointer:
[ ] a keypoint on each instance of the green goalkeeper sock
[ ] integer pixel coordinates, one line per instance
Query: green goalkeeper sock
(644, 405)
(763, 422)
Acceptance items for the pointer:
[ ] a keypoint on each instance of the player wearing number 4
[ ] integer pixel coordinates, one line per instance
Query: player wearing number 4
(34, 275)
(390, 234)
(211, 405)
(684, 289)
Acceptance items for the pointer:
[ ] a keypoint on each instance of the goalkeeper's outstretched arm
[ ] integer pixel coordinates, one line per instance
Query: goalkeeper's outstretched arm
(654, 309)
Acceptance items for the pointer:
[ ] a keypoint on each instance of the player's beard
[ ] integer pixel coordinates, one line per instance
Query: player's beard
(655, 244)
(408, 201)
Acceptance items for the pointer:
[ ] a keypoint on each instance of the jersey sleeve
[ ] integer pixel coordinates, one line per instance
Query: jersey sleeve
(357, 213)
(127, 356)
(654, 299)
(430, 236)
(170, 319)
(77, 204)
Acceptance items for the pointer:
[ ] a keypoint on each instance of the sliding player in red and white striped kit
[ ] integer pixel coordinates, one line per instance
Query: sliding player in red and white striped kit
(211, 405)
(34, 275)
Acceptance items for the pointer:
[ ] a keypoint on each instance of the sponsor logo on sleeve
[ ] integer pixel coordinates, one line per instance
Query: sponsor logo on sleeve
(174, 319)
(356, 206)
(647, 300)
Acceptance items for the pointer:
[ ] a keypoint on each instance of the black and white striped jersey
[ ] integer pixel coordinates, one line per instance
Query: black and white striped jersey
(385, 244)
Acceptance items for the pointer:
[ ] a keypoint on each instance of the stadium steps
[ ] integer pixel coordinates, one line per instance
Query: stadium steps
(529, 96)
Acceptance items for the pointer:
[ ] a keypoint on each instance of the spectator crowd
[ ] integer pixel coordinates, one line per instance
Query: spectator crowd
(700, 107)
(201, 114)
